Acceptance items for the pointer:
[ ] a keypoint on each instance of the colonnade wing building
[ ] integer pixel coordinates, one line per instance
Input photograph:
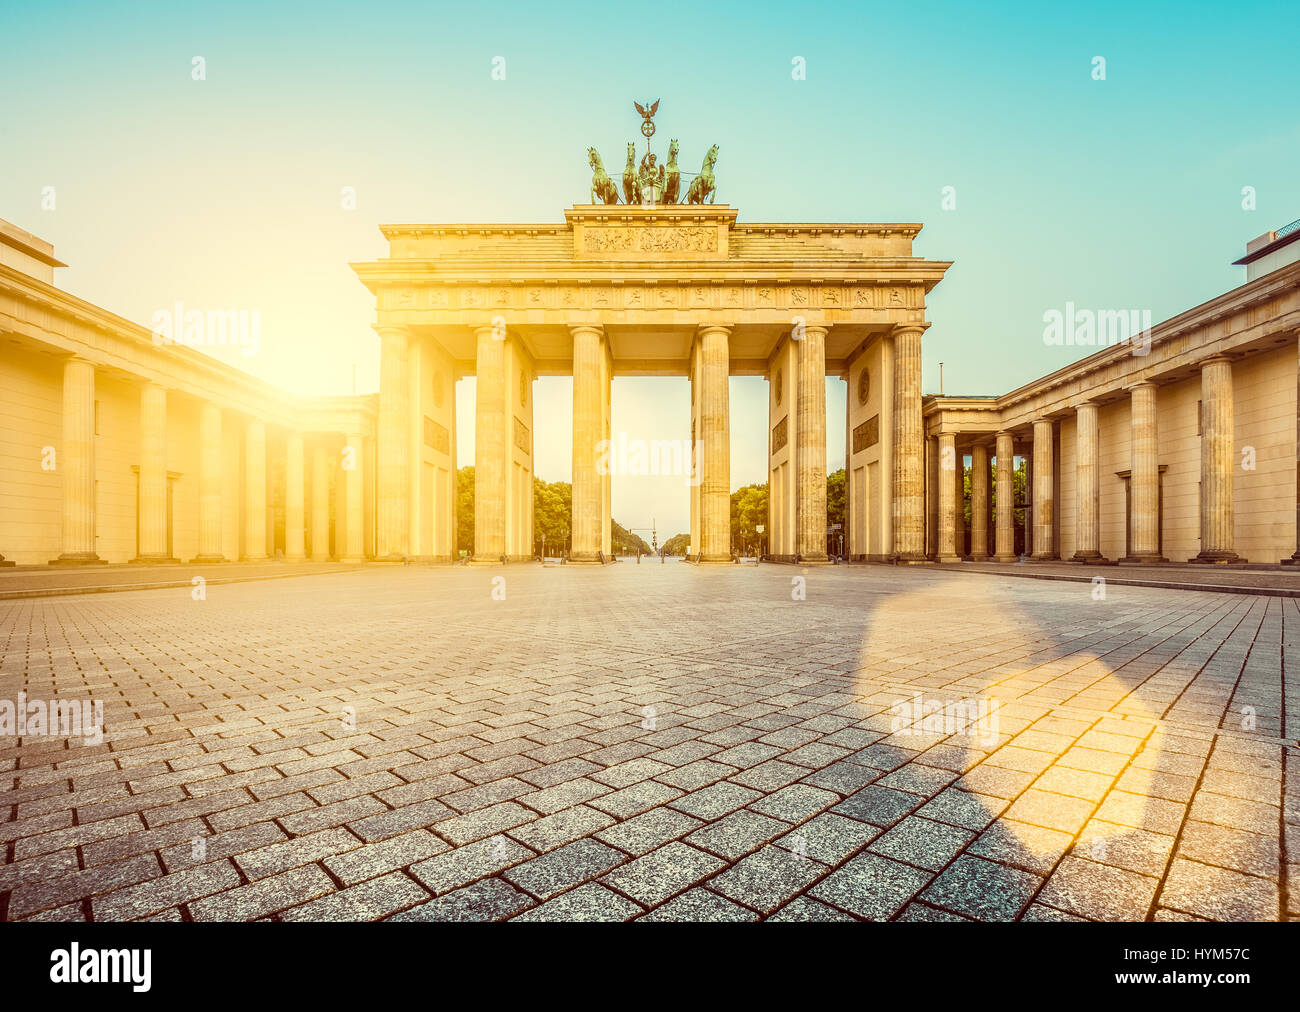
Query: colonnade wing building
(1178, 444)
(116, 446)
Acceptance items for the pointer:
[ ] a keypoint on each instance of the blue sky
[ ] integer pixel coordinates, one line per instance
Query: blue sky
(1122, 193)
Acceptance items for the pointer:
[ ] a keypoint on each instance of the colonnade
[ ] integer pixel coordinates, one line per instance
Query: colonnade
(76, 462)
(1218, 459)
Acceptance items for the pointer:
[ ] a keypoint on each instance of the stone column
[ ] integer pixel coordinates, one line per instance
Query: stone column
(392, 492)
(1217, 461)
(320, 505)
(810, 447)
(1144, 476)
(979, 502)
(1087, 539)
(152, 519)
(255, 491)
(1294, 558)
(354, 540)
(715, 435)
(1005, 489)
(211, 482)
(1044, 492)
(491, 447)
(76, 461)
(587, 525)
(295, 537)
(909, 481)
(950, 472)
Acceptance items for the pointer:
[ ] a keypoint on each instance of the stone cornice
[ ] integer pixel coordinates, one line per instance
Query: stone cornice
(70, 326)
(1251, 318)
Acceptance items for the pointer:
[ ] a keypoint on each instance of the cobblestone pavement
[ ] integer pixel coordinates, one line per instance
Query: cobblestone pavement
(656, 742)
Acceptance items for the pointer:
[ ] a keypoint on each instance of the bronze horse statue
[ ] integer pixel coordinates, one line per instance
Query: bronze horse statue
(603, 190)
(673, 182)
(703, 186)
(631, 191)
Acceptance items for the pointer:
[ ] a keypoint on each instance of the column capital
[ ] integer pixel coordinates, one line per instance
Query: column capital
(1141, 385)
(713, 328)
(587, 328)
(392, 330)
(917, 326)
(1218, 357)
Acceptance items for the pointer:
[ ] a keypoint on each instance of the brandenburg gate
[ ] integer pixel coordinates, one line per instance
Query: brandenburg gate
(647, 286)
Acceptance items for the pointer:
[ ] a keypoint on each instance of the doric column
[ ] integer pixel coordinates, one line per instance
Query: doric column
(295, 536)
(810, 447)
(1005, 489)
(255, 491)
(393, 446)
(491, 447)
(1144, 476)
(152, 489)
(354, 542)
(588, 525)
(909, 482)
(1087, 482)
(1044, 492)
(979, 502)
(210, 484)
(1217, 460)
(1294, 558)
(76, 461)
(715, 417)
(320, 504)
(949, 496)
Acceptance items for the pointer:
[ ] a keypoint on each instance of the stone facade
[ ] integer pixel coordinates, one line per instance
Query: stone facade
(1178, 447)
(117, 447)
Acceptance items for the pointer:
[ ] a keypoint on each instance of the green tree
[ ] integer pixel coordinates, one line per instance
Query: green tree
(835, 498)
(677, 544)
(748, 512)
(624, 542)
(465, 509)
(552, 513)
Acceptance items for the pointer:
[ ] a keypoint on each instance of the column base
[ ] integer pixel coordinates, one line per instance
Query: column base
(716, 560)
(821, 559)
(486, 560)
(1216, 557)
(6, 562)
(1095, 558)
(79, 559)
(913, 559)
(208, 560)
(391, 559)
(1292, 560)
(254, 558)
(1004, 558)
(949, 558)
(1143, 559)
(319, 558)
(154, 560)
(353, 560)
(1044, 557)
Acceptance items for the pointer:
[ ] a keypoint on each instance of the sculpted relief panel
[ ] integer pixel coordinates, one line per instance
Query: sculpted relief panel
(659, 239)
